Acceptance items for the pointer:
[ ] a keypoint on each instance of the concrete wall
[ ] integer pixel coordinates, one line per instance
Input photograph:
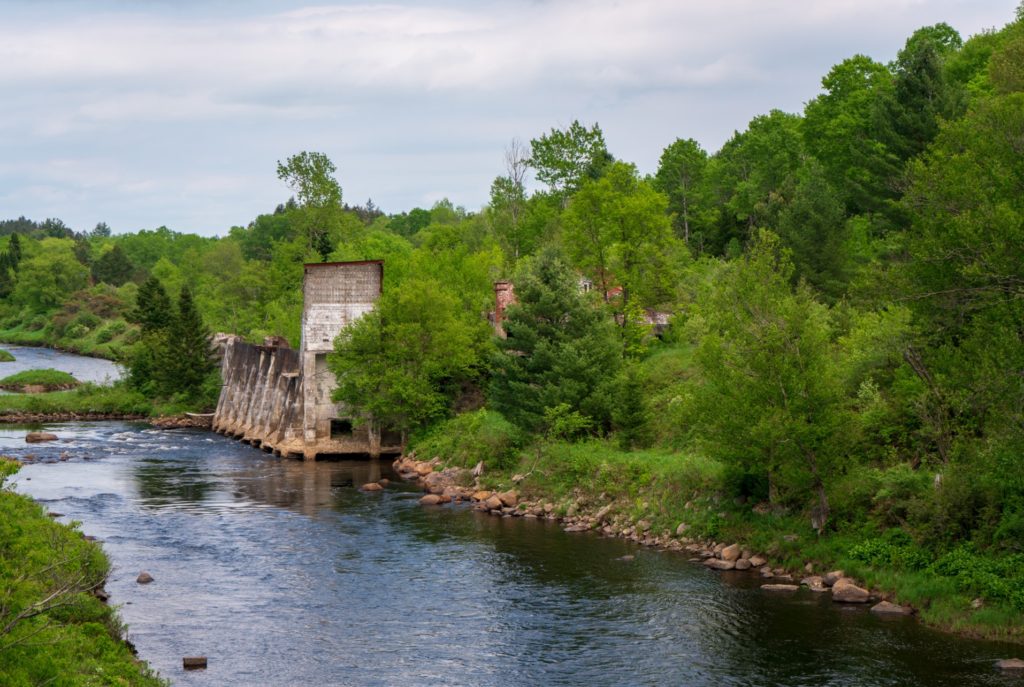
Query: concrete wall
(279, 398)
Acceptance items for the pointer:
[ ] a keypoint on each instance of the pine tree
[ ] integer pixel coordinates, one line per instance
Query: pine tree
(186, 358)
(152, 307)
(14, 251)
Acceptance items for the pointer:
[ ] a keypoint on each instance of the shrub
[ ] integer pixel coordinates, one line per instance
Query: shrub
(895, 549)
(76, 331)
(465, 440)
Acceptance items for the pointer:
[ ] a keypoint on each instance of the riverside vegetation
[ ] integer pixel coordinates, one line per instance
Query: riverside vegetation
(839, 380)
(54, 627)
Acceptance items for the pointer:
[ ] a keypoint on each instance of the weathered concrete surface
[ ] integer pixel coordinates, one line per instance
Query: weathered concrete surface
(280, 398)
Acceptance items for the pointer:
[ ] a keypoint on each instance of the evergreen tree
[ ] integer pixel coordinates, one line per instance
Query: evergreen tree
(560, 349)
(113, 267)
(14, 251)
(186, 357)
(152, 307)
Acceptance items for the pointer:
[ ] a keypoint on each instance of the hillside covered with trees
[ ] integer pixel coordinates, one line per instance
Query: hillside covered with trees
(844, 287)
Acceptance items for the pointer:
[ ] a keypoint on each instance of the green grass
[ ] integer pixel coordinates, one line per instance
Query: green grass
(88, 398)
(110, 339)
(5, 356)
(73, 640)
(48, 378)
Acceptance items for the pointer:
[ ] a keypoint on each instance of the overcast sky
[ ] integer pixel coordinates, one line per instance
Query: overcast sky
(175, 113)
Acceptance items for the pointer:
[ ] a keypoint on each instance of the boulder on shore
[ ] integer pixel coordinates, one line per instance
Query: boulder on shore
(39, 437)
(845, 591)
(731, 553)
(830, 578)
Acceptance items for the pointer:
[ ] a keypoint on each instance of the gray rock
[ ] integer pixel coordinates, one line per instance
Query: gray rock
(845, 591)
(758, 560)
(144, 578)
(1014, 664)
(830, 578)
(371, 486)
(430, 500)
(742, 564)
(39, 437)
(886, 608)
(717, 564)
(779, 587)
(815, 583)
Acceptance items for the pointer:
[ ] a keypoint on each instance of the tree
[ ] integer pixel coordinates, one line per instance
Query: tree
(508, 202)
(560, 349)
(14, 251)
(563, 159)
(402, 365)
(100, 231)
(680, 177)
(813, 226)
(848, 131)
(771, 397)
(113, 267)
(617, 231)
(46, 279)
(185, 358)
(311, 177)
(152, 307)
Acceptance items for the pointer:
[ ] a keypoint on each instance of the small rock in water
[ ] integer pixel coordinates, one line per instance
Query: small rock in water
(193, 662)
(144, 578)
(742, 564)
(55, 515)
(371, 486)
(430, 500)
(39, 437)
(718, 564)
(627, 557)
(845, 591)
(1014, 664)
(886, 608)
(779, 587)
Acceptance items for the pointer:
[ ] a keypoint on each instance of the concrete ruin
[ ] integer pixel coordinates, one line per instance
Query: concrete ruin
(279, 398)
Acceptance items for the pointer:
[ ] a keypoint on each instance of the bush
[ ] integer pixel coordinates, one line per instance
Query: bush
(76, 331)
(110, 331)
(894, 550)
(994, 579)
(465, 440)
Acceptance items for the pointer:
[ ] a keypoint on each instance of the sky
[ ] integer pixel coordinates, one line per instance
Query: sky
(147, 114)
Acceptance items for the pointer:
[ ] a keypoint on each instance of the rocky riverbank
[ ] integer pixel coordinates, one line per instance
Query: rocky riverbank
(584, 513)
(27, 418)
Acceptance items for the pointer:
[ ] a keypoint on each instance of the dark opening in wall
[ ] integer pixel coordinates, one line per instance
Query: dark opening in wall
(340, 428)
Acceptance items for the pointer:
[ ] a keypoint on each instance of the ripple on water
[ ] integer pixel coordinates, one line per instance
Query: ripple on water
(284, 574)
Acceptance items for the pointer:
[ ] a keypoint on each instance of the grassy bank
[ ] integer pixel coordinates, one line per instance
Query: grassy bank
(108, 339)
(53, 630)
(6, 356)
(48, 379)
(90, 399)
(685, 495)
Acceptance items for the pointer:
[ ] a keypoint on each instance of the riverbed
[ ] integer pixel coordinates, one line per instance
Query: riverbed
(284, 573)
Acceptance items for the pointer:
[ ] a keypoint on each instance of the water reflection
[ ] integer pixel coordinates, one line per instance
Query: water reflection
(283, 573)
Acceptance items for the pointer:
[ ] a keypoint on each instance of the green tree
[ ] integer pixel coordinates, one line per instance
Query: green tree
(311, 177)
(771, 398)
(113, 267)
(562, 159)
(403, 364)
(49, 277)
(152, 309)
(188, 356)
(618, 232)
(681, 177)
(560, 349)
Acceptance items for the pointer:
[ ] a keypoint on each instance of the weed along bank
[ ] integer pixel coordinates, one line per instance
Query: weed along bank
(279, 398)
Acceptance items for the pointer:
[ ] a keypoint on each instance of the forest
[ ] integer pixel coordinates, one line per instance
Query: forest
(843, 289)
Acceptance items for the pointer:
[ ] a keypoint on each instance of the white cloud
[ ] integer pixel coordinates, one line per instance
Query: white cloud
(173, 94)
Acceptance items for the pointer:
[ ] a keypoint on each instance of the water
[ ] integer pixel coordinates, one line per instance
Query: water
(82, 368)
(283, 573)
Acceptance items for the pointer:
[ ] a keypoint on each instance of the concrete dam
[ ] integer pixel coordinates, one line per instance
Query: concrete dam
(279, 398)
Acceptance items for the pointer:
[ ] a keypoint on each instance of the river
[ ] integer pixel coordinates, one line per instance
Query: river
(283, 573)
(81, 367)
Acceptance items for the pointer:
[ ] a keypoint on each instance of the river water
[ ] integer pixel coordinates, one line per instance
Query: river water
(283, 573)
(82, 368)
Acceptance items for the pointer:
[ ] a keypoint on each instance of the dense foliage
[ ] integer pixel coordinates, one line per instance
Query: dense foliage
(843, 287)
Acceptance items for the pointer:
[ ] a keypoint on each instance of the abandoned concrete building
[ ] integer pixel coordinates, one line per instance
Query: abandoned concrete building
(279, 398)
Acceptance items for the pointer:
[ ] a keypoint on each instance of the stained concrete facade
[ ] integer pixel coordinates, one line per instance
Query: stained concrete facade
(279, 398)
